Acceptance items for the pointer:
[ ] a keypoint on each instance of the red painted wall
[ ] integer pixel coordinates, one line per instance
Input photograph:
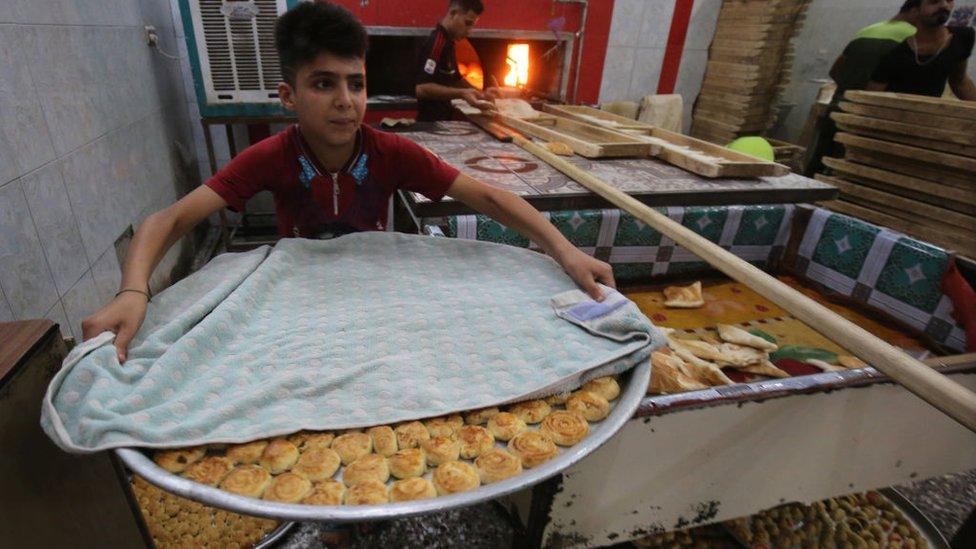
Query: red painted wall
(507, 14)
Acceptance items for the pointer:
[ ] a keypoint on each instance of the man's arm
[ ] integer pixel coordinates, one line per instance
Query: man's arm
(961, 84)
(440, 92)
(124, 314)
(512, 211)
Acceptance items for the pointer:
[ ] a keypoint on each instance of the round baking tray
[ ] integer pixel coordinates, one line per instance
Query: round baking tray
(922, 523)
(274, 535)
(634, 385)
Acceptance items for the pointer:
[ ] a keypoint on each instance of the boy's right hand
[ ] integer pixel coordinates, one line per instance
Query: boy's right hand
(123, 315)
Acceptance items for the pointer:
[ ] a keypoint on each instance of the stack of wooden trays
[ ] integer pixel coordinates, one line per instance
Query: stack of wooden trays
(909, 164)
(749, 64)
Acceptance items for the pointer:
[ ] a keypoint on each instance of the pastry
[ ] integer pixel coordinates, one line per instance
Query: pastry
(412, 488)
(684, 297)
(530, 411)
(701, 370)
(318, 440)
(209, 470)
(734, 334)
(591, 406)
(176, 461)
(505, 425)
(408, 463)
(384, 440)
(700, 349)
(411, 434)
(851, 362)
(533, 448)
(279, 455)
(565, 428)
(455, 476)
(607, 387)
(247, 453)
(352, 446)
(444, 426)
(764, 368)
(497, 464)
(441, 449)
(668, 375)
(298, 439)
(558, 399)
(327, 492)
(370, 492)
(317, 463)
(247, 480)
(480, 417)
(824, 366)
(475, 440)
(738, 356)
(371, 467)
(288, 488)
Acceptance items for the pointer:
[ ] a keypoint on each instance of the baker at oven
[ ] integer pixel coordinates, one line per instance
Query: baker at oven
(438, 79)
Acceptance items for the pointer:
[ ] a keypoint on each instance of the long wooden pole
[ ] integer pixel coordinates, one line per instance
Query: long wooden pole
(938, 390)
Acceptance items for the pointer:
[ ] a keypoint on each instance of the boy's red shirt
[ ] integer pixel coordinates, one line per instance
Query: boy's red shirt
(311, 202)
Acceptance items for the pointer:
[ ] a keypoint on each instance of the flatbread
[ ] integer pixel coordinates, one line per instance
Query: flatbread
(700, 349)
(516, 108)
(738, 356)
(734, 334)
(826, 367)
(765, 368)
(684, 297)
(669, 376)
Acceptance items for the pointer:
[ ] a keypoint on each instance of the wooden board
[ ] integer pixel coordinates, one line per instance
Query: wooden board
(585, 139)
(916, 103)
(907, 167)
(905, 129)
(910, 117)
(940, 159)
(942, 146)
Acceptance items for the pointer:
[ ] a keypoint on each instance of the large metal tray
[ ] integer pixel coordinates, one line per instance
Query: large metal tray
(634, 385)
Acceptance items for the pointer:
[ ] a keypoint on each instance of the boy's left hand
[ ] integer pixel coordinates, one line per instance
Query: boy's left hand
(586, 271)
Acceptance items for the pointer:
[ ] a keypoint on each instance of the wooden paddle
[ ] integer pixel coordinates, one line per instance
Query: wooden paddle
(938, 390)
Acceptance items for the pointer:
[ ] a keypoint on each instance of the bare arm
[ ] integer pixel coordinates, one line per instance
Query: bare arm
(835, 69)
(961, 84)
(512, 211)
(440, 92)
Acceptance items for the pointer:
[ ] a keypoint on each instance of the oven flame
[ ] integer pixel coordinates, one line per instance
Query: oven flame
(518, 65)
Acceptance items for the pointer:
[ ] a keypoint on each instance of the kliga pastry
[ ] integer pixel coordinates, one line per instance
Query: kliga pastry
(247, 480)
(497, 464)
(318, 440)
(327, 492)
(684, 297)
(530, 411)
(412, 488)
(384, 440)
(441, 449)
(607, 387)
(506, 425)
(734, 334)
(475, 440)
(176, 461)
(565, 428)
(444, 426)
(455, 476)
(370, 492)
(352, 446)
(247, 453)
(288, 488)
(408, 463)
(590, 406)
(371, 467)
(557, 399)
(533, 448)
(480, 417)
(317, 463)
(209, 470)
(411, 434)
(279, 455)
(299, 438)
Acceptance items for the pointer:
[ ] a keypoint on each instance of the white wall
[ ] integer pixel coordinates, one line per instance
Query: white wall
(91, 122)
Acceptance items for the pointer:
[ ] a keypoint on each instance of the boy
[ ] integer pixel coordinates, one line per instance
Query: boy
(329, 174)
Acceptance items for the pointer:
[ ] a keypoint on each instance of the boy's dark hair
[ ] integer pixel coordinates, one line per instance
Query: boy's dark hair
(910, 5)
(467, 5)
(311, 28)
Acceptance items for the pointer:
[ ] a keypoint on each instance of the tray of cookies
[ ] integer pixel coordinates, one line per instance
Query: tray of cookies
(411, 468)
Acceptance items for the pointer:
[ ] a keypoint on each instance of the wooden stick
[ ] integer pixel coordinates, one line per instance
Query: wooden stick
(938, 390)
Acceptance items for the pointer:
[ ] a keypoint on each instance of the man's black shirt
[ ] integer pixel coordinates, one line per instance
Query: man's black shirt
(437, 64)
(928, 75)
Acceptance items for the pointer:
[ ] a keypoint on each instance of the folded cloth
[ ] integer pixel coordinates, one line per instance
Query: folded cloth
(365, 329)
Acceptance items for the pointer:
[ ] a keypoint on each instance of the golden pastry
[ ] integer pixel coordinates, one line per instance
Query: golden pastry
(247, 453)
(591, 406)
(384, 440)
(668, 375)
(279, 455)
(411, 489)
(607, 387)
(441, 449)
(684, 297)
(530, 411)
(288, 488)
(475, 440)
(455, 476)
(317, 463)
(533, 448)
(411, 434)
(734, 334)
(371, 467)
(480, 417)
(327, 492)
(370, 492)
(764, 368)
(247, 480)
(176, 461)
(408, 463)
(506, 425)
(497, 464)
(209, 470)
(851, 362)
(444, 426)
(565, 428)
(299, 438)
(557, 399)
(319, 440)
(352, 446)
